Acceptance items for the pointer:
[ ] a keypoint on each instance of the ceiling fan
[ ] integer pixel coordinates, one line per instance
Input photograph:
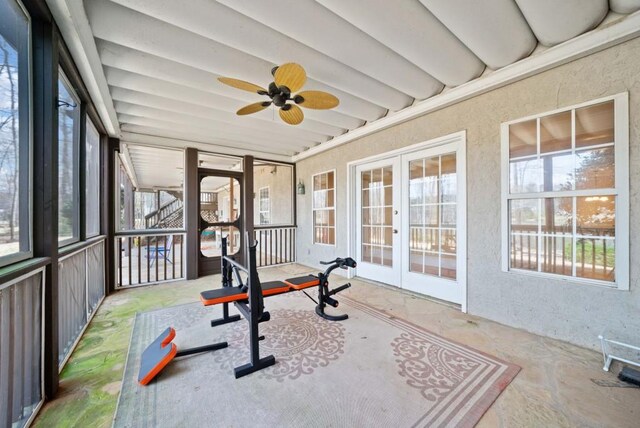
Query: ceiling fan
(288, 78)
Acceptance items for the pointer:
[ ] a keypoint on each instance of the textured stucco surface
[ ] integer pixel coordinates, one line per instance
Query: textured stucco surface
(561, 309)
(279, 181)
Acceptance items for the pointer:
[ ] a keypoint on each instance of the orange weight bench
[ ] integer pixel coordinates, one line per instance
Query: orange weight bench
(272, 288)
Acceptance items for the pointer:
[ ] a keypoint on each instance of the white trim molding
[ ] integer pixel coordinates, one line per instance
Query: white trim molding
(589, 43)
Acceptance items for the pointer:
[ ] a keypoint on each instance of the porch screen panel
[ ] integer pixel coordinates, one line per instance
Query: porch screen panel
(432, 216)
(377, 216)
(72, 302)
(92, 184)
(68, 163)
(20, 350)
(95, 275)
(15, 111)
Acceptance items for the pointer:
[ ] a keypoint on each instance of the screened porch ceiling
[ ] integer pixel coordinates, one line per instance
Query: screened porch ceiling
(154, 63)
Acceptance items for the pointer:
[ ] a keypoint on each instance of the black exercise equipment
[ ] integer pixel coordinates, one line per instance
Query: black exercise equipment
(253, 312)
(230, 293)
(629, 375)
(249, 300)
(324, 294)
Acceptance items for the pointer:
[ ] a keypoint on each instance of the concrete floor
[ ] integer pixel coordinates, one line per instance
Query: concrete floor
(560, 385)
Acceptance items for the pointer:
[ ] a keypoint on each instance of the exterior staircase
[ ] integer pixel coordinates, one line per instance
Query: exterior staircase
(168, 216)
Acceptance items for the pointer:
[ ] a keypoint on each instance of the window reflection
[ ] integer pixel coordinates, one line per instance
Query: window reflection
(525, 176)
(595, 169)
(432, 216)
(569, 234)
(595, 125)
(555, 132)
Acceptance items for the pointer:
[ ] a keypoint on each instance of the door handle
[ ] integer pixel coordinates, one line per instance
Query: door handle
(395, 230)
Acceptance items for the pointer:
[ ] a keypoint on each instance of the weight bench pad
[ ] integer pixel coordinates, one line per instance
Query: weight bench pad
(302, 282)
(274, 287)
(157, 356)
(222, 295)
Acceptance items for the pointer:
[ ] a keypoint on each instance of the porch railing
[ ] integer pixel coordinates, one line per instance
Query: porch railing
(276, 245)
(149, 257)
(21, 348)
(80, 290)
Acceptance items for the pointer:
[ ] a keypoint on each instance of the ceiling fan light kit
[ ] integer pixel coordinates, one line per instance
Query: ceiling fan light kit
(288, 78)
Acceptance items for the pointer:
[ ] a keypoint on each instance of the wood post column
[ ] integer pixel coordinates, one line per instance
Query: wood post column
(192, 216)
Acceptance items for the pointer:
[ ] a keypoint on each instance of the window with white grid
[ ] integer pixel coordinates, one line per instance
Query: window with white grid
(565, 193)
(324, 208)
(265, 205)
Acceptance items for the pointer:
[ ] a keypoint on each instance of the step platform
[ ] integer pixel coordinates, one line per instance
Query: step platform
(162, 351)
(157, 356)
(271, 288)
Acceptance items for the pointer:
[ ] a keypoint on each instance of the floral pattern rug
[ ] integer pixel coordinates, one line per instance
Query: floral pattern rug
(370, 370)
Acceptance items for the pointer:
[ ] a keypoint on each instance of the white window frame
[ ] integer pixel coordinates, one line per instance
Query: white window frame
(332, 208)
(268, 210)
(621, 192)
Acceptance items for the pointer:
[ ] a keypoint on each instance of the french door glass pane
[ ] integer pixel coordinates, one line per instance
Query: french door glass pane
(432, 216)
(377, 215)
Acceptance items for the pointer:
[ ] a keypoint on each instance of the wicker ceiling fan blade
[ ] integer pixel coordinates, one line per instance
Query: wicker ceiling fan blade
(293, 115)
(253, 108)
(241, 84)
(316, 100)
(291, 75)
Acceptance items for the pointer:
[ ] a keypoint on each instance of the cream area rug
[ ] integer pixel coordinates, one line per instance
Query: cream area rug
(370, 370)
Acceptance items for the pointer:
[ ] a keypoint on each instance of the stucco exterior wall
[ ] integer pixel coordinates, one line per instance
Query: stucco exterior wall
(560, 309)
(279, 180)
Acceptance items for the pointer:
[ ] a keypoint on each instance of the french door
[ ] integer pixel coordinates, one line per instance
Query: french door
(410, 217)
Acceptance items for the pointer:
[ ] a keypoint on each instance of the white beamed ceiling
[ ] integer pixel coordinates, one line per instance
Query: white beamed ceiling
(161, 59)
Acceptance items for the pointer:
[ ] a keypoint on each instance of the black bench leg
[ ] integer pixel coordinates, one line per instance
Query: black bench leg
(226, 318)
(200, 349)
(251, 367)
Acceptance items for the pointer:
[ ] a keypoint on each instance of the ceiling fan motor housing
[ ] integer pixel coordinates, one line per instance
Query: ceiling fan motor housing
(279, 94)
